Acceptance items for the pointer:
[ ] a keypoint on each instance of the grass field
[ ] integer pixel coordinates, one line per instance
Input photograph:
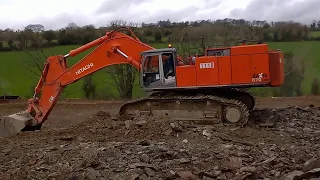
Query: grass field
(16, 80)
(315, 34)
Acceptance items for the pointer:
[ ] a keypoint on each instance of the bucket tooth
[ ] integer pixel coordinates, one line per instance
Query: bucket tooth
(14, 123)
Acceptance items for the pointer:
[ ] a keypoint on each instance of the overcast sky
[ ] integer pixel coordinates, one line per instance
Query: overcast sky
(55, 14)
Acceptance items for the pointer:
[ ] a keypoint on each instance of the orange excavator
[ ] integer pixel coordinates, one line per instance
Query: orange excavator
(213, 87)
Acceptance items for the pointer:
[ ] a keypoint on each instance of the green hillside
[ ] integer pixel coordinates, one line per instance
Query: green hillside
(308, 51)
(16, 80)
(315, 34)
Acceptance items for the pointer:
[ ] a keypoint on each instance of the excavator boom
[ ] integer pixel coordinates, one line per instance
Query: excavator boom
(113, 48)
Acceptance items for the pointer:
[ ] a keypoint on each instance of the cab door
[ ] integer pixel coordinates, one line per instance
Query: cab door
(158, 70)
(168, 64)
(151, 71)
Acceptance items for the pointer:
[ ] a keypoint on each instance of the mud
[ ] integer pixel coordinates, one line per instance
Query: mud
(85, 140)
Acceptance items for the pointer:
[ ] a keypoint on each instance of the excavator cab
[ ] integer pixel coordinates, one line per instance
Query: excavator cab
(158, 69)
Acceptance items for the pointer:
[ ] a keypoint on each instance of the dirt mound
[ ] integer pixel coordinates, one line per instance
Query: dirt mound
(275, 144)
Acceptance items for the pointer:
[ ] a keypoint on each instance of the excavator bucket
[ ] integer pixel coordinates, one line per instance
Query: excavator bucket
(14, 123)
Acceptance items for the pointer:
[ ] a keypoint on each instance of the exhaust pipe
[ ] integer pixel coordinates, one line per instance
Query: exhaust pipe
(13, 124)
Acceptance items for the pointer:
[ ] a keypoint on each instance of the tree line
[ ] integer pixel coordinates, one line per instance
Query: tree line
(212, 33)
(221, 31)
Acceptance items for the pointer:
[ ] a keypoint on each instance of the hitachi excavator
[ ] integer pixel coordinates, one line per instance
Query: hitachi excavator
(212, 87)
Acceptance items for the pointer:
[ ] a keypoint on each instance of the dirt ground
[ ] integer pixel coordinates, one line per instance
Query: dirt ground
(81, 140)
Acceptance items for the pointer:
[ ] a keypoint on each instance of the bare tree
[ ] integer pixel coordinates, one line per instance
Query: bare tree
(119, 22)
(123, 75)
(23, 40)
(49, 36)
(294, 73)
(315, 86)
(72, 26)
(89, 87)
(3, 87)
(36, 28)
(214, 34)
(34, 64)
(33, 31)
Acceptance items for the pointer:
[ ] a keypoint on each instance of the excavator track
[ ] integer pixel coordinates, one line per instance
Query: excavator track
(240, 94)
(174, 106)
(230, 93)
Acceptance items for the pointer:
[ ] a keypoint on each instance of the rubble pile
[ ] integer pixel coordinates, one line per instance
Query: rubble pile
(276, 144)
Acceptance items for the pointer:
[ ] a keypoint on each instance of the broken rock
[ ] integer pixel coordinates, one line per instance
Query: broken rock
(145, 158)
(141, 165)
(103, 114)
(311, 164)
(149, 172)
(92, 174)
(183, 160)
(234, 163)
(248, 169)
(128, 124)
(206, 133)
(141, 123)
(315, 173)
(176, 127)
(167, 132)
(293, 174)
(267, 124)
(187, 175)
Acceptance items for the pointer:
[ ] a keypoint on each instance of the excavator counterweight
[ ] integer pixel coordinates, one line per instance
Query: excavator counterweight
(211, 87)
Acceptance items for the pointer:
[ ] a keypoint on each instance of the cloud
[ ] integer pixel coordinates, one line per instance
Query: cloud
(55, 14)
(112, 5)
(284, 10)
(155, 10)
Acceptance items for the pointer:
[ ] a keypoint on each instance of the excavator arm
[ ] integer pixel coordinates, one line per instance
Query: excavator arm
(113, 48)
